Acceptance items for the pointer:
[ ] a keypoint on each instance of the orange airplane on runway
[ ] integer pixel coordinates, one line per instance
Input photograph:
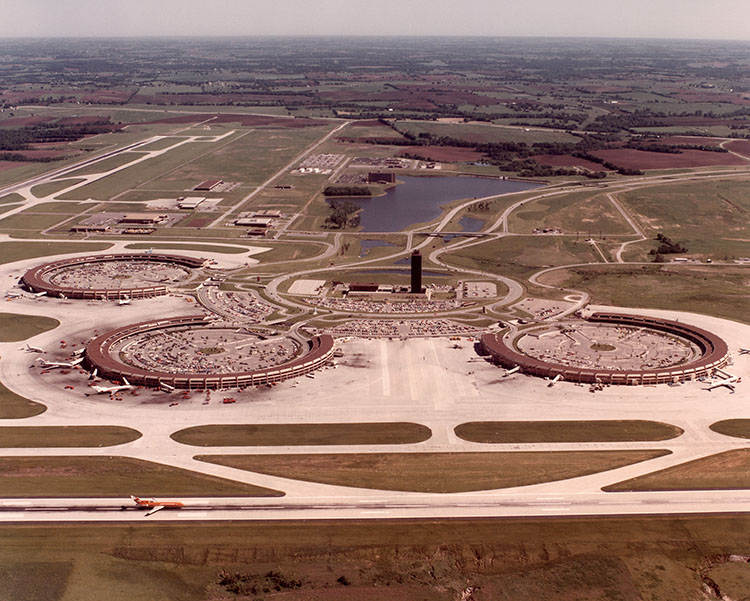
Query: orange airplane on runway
(155, 505)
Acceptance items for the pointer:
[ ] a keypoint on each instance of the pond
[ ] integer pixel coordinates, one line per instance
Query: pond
(366, 245)
(418, 199)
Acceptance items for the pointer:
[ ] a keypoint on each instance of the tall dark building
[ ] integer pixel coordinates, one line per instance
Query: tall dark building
(416, 272)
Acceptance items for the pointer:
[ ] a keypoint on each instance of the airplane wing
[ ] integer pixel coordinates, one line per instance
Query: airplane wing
(154, 510)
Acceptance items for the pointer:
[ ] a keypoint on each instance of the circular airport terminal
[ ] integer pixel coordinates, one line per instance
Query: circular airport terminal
(611, 348)
(196, 352)
(206, 349)
(113, 276)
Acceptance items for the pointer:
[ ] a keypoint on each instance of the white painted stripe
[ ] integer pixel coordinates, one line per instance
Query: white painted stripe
(386, 380)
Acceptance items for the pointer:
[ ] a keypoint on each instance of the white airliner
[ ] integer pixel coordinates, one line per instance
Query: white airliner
(112, 389)
(33, 349)
(59, 364)
(728, 382)
(744, 351)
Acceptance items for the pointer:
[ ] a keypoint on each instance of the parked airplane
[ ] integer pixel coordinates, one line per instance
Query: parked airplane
(153, 505)
(744, 351)
(112, 389)
(728, 382)
(124, 301)
(59, 364)
(33, 349)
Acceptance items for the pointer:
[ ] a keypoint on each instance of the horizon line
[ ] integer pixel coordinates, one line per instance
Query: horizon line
(225, 36)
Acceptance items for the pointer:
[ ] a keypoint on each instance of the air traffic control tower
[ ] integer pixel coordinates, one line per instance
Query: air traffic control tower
(416, 272)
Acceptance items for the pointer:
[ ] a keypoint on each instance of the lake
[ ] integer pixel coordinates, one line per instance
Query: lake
(418, 199)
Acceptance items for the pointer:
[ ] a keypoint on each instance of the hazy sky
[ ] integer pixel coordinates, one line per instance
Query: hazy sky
(712, 19)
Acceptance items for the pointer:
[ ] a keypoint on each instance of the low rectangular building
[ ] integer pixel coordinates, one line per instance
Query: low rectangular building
(142, 218)
(259, 222)
(209, 184)
(191, 202)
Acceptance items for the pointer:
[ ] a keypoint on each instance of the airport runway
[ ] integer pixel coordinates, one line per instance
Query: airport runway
(428, 506)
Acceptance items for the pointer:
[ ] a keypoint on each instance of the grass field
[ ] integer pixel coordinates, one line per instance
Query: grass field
(107, 164)
(302, 434)
(10, 198)
(13, 406)
(250, 156)
(589, 213)
(161, 144)
(712, 290)
(565, 559)
(435, 472)
(30, 222)
(52, 187)
(65, 436)
(733, 579)
(18, 251)
(716, 248)
(61, 476)
(485, 133)
(693, 210)
(66, 208)
(521, 256)
(739, 428)
(137, 175)
(727, 470)
(566, 431)
(298, 251)
(15, 327)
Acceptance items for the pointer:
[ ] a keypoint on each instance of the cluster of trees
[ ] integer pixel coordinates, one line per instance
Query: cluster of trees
(616, 122)
(344, 213)
(515, 156)
(666, 247)
(607, 164)
(673, 148)
(20, 158)
(347, 191)
(20, 138)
